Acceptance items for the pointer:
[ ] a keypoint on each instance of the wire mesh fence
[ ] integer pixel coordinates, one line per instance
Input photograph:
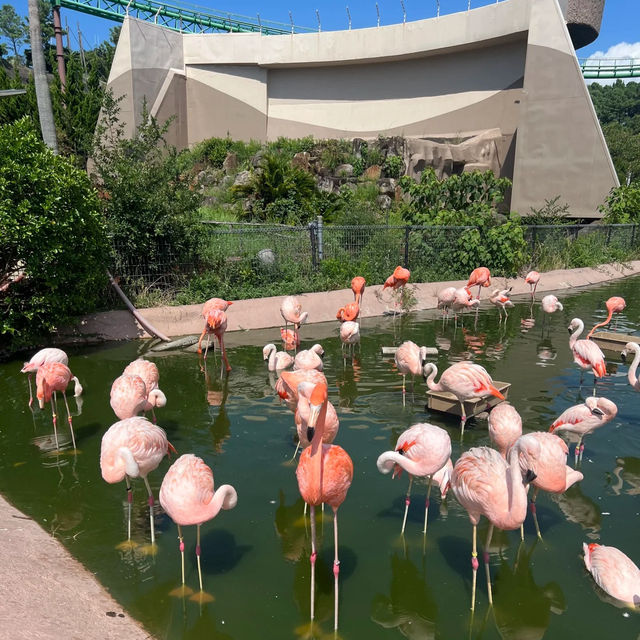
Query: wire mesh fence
(250, 260)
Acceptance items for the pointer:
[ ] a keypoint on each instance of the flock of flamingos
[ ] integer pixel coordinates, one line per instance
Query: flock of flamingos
(486, 481)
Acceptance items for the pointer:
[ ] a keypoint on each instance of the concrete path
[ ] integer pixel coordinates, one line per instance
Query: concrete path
(261, 313)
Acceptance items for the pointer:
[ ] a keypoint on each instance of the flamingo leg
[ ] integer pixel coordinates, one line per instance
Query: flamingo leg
(336, 568)
(55, 420)
(73, 439)
(295, 453)
(206, 349)
(224, 354)
(474, 565)
(407, 502)
(533, 512)
(151, 503)
(426, 505)
(463, 418)
(486, 564)
(404, 392)
(312, 559)
(479, 289)
(30, 390)
(578, 451)
(129, 506)
(201, 337)
(198, 555)
(181, 545)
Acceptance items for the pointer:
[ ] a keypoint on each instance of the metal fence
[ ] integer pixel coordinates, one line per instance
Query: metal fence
(259, 256)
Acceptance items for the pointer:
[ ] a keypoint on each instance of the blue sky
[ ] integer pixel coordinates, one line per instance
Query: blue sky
(619, 35)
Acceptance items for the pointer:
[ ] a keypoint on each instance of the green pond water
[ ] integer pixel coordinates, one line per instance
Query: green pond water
(256, 557)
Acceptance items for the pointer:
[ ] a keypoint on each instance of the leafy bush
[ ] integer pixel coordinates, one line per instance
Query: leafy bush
(53, 243)
(551, 213)
(334, 152)
(290, 146)
(622, 205)
(393, 166)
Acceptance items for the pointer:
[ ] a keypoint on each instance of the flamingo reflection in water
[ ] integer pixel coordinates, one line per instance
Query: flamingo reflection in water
(217, 393)
(627, 472)
(580, 509)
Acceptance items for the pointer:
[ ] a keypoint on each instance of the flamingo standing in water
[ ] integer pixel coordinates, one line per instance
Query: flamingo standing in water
(631, 374)
(149, 373)
(465, 380)
(209, 306)
(505, 427)
(287, 384)
(357, 286)
(546, 455)
(217, 322)
(301, 418)
(309, 358)
(462, 300)
(614, 572)
(50, 354)
(349, 334)
(615, 304)
(532, 278)
(500, 298)
(128, 396)
(349, 312)
(422, 450)
(187, 495)
(486, 484)
(397, 281)
(582, 419)
(278, 360)
(291, 311)
(445, 299)
(324, 474)
(551, 304)
(290, 339)
(481, 277)
(586, 354)
(410, 359)
(133, 448)
(52, 377)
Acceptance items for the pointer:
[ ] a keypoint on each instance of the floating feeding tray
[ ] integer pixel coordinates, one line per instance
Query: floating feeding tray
(610, 341)
(446, 402)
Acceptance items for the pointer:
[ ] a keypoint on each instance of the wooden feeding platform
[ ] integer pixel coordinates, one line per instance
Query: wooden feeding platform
(611, 341)
(391, 351)
(446, 402)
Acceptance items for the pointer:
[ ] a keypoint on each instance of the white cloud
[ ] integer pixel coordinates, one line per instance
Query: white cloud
(620, 51)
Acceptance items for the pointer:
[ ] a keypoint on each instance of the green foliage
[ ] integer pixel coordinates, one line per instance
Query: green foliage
(51, 230)
(371, 155)
(14, 28)
(551, 213)
(290, 146)
(393, 166)
(213, 152)
(624, 147)
(622, 205)
(333, 152)
(15, 107)
(151, 212)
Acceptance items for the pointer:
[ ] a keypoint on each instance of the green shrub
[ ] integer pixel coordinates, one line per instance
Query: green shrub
(393, 166)
(622, 205)
(51, 230)
(551, 213)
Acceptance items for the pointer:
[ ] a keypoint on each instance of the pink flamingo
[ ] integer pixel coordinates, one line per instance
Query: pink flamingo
(614, 572)
(445, 299)
(301, 418)
(150, 375)
(615, 304)
(410, 359)
(396, 281)
(187, 495)
(631, 374)
(349, 312)
(465, 380)
(278, 360)
(50, 354)
(133, 448)
(485, 484)
(211, 305)
(586, 354)
(217, 323)
(324, 474)
(309, 358)
(583, 419)
(357, 286)
(422, 450)
(463, 300)
(291, 311)
(349, 334)
(546, 455)
(290, 339)
(481, 277)
(505, 427)
(128, 396)
(52, 377)
(287, 384)
(500, 298)
(551, 304)
(532, 278)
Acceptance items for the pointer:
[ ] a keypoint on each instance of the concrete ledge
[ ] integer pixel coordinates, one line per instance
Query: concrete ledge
(260, 313)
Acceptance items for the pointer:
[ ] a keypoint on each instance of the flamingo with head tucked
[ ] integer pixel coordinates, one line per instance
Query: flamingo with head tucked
(505, 427)
(410, 359)
(349, 334)
(422, 450)
(615, 304)
(291, 311)
(481, 277)
(309, 358)
(586, 354)
(149, 373)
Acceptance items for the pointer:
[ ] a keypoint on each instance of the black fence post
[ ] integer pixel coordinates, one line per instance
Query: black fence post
(314, 244)
(633, 236)
(608, 235)
(407, 230)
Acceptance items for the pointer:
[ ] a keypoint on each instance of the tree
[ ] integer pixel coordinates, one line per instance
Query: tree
(12, 27)
(45, 111)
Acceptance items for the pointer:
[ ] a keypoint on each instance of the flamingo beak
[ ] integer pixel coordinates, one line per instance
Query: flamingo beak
(623, 356)
(596, 411)
(529, 476)
(310, 433)
(314, 412)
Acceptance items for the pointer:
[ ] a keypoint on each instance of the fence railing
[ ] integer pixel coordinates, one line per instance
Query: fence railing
(258, 256)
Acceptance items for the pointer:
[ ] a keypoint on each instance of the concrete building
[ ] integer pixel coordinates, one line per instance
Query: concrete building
(495, 87)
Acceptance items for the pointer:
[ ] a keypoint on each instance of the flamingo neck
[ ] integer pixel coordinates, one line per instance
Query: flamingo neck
(130, 465)
(388, 460)
(631, 374)
(224, 498)
(272, 359)
(576, 332)
(601, 324)
(517, 493)
(431, 383)
(316, 454)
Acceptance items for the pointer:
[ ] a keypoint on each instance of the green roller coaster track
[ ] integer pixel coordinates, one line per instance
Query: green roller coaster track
(608, 68)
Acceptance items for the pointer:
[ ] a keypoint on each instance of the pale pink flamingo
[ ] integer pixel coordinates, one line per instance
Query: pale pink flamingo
(463, 300)
(500, 298)
(128, 396)
(187, 495)
(309, 358)
(546, 455)
(133, 448)
(410, 359)
(217, 323)
(350, 312)
(551, 304)
(582, 419)
(291, 311)
(290, 339)
(349, 334)
(278, 360)
(149, 373)
(486, 484)
(532, 278)
(481, 277)
(465, 380)
(50, 354)
(324, 475)
(422, 450)
(52, 377)
(302, 413)
(614, 572)
(445, 299)
(357, 286)
(633, 367)
(211, 305)
(615, 304)
(396, 281)
(287, 384)
(505, 427)
(586, 354)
